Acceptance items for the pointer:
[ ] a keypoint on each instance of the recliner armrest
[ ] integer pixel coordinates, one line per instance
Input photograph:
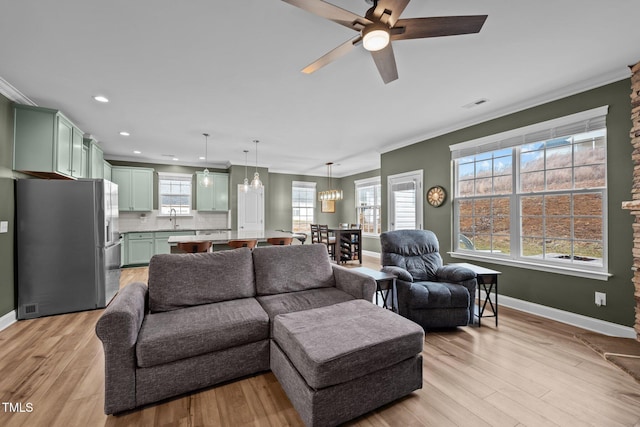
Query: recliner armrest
(454, 274)
(399, 272)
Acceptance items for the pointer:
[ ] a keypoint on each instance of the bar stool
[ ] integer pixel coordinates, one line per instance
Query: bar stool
(194, 247)
(249, 243)
(279, 240)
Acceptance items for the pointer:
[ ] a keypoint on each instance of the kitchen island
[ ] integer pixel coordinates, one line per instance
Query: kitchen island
(223, 237)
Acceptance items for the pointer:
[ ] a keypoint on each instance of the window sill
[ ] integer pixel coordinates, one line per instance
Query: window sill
(569, 271)
(178, 216)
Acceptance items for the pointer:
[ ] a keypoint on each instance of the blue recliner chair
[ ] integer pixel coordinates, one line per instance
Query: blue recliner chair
(430, 294)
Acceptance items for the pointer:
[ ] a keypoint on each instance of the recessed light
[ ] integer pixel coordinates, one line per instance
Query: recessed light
(201, 157)
(175, 159)
(124, 133)
(101, 98)
(137, 152)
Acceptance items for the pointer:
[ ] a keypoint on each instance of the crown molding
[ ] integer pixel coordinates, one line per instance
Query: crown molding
(14, 94)
(563, 92)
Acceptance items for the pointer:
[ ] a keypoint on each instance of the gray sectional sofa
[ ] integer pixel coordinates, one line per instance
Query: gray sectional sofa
(208, 318)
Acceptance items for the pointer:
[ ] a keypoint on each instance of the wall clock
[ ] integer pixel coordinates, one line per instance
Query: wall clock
(436, 196)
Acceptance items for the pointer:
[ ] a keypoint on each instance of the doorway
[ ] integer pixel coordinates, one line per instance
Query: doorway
(250, 209)
(405, 201)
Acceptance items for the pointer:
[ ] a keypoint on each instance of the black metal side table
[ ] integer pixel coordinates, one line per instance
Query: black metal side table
(384, 282)
(487, 282)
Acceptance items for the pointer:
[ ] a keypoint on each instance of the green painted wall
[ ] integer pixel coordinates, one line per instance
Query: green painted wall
(7, 207)
(563, 292)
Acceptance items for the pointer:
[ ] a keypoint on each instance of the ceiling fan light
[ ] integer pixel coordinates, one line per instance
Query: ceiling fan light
(375, 37)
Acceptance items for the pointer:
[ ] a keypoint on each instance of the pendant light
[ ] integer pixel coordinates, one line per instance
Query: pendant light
(256, 184)
(245, 186)
(206, 180)
(330, 194)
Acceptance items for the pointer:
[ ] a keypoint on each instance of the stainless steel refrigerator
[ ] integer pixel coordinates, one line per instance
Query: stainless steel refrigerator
(68, 245)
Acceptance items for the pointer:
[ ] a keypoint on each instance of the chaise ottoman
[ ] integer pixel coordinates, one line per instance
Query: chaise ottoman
(341, 361)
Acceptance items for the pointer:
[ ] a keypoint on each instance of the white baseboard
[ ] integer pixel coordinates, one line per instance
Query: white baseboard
(8, 320)
(370, 253)
(585, 322)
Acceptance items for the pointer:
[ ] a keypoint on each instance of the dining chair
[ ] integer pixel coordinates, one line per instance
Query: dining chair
(279, 240)
(248, 243)
(315, 233)
(325, 238)
(194, 247)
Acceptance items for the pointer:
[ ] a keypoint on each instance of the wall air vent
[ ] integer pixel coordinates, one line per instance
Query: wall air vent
(30, 309)
(475, 103)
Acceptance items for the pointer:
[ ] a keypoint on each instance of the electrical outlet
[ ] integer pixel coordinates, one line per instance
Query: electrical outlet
(601, 299)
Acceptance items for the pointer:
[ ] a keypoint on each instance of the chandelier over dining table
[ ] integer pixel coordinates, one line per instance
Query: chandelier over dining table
(331, 194)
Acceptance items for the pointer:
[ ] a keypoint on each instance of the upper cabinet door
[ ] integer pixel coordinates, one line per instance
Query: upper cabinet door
(77, 165)
(65, 140)
(141, 189)
(221, 191)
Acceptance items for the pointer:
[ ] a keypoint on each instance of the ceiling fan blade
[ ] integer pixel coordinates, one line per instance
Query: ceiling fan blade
(419, 28)
(332, 13)
(396, 7)
(336, 53)
(386, 63)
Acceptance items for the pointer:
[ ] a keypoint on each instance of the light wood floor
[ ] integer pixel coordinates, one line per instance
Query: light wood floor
(528, 371)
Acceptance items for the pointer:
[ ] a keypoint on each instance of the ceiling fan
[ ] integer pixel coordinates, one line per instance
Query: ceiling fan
(380, 26)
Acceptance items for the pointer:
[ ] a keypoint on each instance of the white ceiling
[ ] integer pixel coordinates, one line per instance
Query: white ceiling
(175, 69)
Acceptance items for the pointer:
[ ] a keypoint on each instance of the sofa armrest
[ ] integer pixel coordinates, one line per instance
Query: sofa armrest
(399, 272)
(118, 329)
(357, 284)
(454, 274)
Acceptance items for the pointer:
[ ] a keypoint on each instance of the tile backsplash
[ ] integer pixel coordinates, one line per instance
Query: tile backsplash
(151, 221)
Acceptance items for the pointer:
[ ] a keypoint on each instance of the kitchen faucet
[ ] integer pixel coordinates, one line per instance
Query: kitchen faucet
(175, 218)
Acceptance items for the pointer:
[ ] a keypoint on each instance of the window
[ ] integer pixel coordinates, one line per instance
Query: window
(303, 202)
(174, 192)
(368, 205)
(536, 195)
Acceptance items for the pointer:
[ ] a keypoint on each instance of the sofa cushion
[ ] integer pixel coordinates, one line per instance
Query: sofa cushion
(438, 295)
(341, 342)
(180, 334)
(184, 280)
(292, 268)
(302, 300)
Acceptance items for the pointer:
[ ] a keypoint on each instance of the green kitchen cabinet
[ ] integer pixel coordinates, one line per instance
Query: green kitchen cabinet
(106, 167)
(78, 156)
(139, 248)
(95, 168)
(46, 143)
(215, 196)
(135, 188)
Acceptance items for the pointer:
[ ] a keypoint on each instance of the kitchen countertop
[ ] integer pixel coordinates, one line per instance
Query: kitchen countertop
(161, 230)
(223, 237)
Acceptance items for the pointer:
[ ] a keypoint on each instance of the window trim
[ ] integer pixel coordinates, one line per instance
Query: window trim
(179, 177)
(515, 138)
(376, 180)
